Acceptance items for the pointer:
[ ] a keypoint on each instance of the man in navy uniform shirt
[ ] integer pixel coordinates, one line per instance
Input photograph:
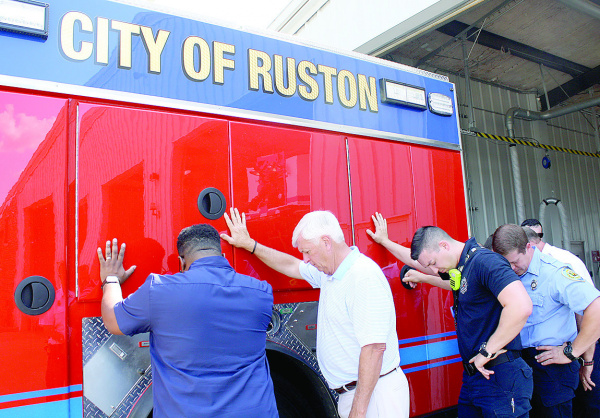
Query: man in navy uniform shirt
(490, 308)
(196, 321)
(552, 345)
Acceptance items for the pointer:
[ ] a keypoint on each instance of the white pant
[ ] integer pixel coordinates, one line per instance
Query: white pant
(390, 398)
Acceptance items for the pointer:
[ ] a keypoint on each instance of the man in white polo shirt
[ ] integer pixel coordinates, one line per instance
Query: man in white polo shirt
(357, 344)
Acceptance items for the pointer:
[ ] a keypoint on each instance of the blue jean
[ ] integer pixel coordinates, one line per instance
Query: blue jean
(587, 403)
(554, 388)
(505, 394)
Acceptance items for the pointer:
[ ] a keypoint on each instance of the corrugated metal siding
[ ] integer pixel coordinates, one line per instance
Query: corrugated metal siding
(573, 179)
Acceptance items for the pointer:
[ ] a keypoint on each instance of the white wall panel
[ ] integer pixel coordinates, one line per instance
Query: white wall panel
(573, 179)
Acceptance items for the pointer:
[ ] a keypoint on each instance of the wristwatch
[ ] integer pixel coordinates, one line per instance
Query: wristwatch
(568, 351)
(484, 352)
(110, 280)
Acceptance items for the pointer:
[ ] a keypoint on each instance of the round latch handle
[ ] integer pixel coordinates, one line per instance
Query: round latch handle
(211, 203)
(34, 295)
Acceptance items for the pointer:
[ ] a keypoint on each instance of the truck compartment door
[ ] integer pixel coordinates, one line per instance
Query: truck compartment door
(33, 269)
(280, 174)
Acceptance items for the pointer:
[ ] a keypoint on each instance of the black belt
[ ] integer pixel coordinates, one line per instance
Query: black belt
(500, 359)
(352, 385)
(530, 352)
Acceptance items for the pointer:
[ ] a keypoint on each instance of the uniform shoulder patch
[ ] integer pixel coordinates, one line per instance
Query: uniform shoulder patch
(571, 275)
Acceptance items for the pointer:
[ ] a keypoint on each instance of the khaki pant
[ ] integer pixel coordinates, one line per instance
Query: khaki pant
(390, 398)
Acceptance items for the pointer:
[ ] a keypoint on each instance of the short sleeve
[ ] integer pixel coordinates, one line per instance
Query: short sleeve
(310, 274)
(572, 290)
(497, 272)
(371, 310)
(133, 312)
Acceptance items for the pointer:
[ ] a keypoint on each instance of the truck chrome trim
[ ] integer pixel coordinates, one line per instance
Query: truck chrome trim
(350, 191)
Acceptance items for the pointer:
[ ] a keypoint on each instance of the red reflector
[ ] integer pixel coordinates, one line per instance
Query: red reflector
(311, 327)
(143, 344)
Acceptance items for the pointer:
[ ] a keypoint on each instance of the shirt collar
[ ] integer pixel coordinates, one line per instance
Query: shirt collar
(471, 242)
(216, 261)
(346, 264)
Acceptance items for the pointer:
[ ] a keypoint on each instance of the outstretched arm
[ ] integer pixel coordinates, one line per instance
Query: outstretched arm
(240, 238)
(402, 253)
(413, 277)
(112, 266)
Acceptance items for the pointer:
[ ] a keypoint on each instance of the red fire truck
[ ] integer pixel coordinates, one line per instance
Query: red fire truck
(121, 122)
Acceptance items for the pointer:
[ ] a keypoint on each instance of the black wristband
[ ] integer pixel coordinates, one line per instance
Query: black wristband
(107, 282)
(254, 249)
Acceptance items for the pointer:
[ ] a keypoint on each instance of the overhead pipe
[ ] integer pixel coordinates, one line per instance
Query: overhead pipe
(584, 6)
(516, 112)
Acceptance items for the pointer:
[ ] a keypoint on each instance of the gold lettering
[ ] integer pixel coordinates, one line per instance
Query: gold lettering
(154, 47)
(367, 93)
(291, 76)
(220, 62)
(346, 101)
(189, 47)
(67, 29)
(102, 25)
(127, 30)
(255, 71)
(305, 68)
(328, 73)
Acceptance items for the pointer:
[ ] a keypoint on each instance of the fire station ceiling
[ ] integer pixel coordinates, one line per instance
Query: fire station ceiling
(520, 44)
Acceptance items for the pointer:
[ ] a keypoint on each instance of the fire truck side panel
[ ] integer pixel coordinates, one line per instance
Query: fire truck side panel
(280, 174)
(133, 124)
(140, 176)
(136, 174)
(33, 151)
(392, 178)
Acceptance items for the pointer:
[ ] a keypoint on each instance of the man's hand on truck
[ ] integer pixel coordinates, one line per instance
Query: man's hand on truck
(240, 237)
(112, 265)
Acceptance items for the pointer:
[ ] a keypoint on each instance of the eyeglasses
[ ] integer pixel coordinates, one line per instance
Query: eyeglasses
(541, 234)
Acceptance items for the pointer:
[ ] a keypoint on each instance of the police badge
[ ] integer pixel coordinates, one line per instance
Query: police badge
(463, 285)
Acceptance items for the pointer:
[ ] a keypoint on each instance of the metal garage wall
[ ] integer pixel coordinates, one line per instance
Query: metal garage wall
(573, 179)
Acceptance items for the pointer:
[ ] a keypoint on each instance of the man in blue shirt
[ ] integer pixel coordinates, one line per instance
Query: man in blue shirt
(552, 344)
(207, 329)
(490, 308)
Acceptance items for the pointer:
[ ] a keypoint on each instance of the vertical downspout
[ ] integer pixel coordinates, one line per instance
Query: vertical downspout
(596, 127)
(515, 112)
(516, 171)
(470, 116)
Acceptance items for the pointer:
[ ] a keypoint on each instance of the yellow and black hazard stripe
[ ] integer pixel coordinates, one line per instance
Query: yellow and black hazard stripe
(536, 145)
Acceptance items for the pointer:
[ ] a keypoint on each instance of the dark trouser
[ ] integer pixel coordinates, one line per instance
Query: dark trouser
(505, 394)
(587, 403)
(553, 387)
